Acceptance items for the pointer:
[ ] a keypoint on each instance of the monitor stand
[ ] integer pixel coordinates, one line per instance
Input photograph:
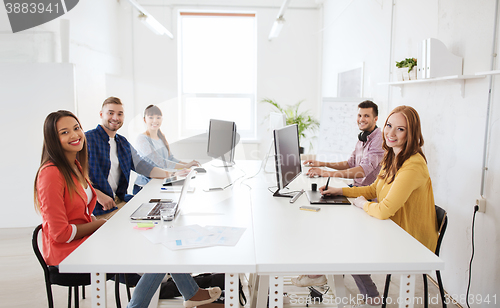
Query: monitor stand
(277, 194)
(219, 163)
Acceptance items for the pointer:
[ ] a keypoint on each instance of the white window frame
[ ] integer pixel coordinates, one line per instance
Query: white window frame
(184, 132)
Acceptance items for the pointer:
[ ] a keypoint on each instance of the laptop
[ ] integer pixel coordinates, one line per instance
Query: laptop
(151, 210)
(177, 180)
(315, 197)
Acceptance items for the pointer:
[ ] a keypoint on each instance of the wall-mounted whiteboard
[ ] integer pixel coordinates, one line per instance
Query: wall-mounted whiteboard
(28, 93)
(338, 131)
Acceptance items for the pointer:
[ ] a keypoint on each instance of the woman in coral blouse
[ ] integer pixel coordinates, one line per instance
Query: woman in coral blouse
(403, 187)
(65, 199)
(63, 194)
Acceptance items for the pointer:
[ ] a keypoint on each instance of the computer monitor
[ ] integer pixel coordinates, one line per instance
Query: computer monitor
(222, 139)
(288, 166)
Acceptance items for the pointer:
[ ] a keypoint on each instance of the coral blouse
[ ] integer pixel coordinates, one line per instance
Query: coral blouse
(61, 212)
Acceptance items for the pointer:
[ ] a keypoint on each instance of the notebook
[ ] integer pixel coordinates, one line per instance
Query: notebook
(151, 211)
(315, 197)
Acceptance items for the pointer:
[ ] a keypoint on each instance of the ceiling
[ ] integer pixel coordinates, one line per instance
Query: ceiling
(313, 4)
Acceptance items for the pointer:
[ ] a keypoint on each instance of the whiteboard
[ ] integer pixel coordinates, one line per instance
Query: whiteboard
(338, 129)
(28, 93)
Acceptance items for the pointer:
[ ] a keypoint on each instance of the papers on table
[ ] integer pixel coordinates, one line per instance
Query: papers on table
(194, 236)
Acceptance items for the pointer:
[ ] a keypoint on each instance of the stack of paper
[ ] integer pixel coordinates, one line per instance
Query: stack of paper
(194, 236)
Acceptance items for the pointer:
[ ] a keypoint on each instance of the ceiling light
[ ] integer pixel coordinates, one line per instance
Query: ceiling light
(150, 21)
(277, 26)
(279, 22)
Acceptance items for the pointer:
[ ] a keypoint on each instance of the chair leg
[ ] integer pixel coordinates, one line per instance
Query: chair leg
(386, 290)
(83, 292)
(69, 297)
(441, 289)
(49, 295)
(128, 287)
(77, 299)
(426, 292)
(117, 291)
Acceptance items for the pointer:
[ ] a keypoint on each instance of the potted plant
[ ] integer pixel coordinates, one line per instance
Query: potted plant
(407, 69)
(303, 119)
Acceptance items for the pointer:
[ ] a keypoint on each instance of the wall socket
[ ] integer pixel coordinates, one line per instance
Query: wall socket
(481, 203)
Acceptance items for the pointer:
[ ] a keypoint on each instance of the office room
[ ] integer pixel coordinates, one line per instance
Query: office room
(100, 48)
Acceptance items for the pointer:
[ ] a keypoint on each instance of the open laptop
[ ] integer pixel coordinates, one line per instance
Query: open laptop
(315, 197)
(151, 211)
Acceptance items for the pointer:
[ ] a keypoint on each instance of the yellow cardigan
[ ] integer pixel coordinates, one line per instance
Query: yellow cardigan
(408, 200)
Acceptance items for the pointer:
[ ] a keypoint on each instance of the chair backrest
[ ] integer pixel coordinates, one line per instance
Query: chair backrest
(442, 222)
(38, 253)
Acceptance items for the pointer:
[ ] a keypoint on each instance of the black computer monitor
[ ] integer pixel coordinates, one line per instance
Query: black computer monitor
(288, 166)
(222, 139)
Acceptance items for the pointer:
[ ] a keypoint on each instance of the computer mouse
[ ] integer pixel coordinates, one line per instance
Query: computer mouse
(316, 176)
(200, 170)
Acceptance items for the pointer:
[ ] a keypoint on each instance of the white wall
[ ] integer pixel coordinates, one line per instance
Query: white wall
(287, 67)
(453, 127)
(114, 54)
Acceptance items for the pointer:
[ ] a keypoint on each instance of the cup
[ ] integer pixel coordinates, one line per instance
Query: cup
(314, 186)
(166, 217)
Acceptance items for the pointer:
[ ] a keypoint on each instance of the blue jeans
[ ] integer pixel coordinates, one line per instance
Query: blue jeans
(366, 286)
(149, 283)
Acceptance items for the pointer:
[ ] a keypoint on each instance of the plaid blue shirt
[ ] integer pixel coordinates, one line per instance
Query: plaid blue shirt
(100, 163)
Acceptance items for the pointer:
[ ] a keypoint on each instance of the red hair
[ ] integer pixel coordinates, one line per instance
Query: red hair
(413, 144)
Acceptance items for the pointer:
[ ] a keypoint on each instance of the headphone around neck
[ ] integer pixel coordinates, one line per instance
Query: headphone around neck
(363, 136)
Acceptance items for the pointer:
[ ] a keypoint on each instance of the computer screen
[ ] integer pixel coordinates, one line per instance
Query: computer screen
(288, 166)
(222, 139)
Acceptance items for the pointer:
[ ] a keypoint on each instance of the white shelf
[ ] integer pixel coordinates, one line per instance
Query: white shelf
(496, 72)
(460, 79)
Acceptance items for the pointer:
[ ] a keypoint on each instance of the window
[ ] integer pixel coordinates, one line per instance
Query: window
(217, 71)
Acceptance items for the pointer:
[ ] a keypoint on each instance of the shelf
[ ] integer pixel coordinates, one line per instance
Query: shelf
(488, 73)
(460, 79)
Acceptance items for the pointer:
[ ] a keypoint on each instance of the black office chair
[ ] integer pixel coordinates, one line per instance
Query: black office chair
(70, 280)
(442, 221)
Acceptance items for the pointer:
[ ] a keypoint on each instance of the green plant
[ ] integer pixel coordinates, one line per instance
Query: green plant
(410, 63)
(303, 119)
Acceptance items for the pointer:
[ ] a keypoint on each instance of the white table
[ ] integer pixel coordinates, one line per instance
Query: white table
(339, 239)
(279, 240)
(119, 248)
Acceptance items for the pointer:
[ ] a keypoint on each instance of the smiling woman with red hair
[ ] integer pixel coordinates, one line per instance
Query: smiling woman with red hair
(403, 187)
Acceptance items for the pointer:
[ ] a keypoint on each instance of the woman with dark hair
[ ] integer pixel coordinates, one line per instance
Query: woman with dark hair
(65, 199)
(63, 194)
(153, 145)
(403, 187)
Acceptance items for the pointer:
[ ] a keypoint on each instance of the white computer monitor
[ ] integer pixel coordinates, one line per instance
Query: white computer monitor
(222, 139)
(288, 165)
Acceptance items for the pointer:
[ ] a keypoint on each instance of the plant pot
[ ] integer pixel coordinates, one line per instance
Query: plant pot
(412, 75)
(399, 73)
(403, 75)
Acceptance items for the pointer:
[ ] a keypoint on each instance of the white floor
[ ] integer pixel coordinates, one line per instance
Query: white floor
(22, 283)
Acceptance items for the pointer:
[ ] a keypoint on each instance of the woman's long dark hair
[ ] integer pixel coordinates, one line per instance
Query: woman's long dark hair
(154, 110)
(412, 146)
(52, 152)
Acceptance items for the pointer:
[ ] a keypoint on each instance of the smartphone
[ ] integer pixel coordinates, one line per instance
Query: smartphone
(310, 208)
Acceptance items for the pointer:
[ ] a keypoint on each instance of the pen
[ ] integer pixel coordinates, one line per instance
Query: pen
(328, 181)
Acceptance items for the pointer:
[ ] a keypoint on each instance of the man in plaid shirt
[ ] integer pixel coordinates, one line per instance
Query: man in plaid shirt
(111, 158)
